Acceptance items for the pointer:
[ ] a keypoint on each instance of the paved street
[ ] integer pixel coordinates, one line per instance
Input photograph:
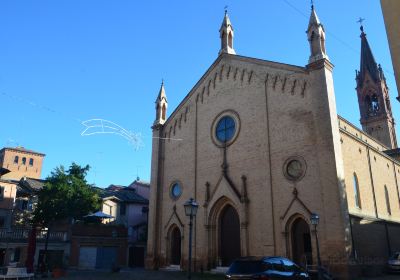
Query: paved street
(141, 274)
(386, 277)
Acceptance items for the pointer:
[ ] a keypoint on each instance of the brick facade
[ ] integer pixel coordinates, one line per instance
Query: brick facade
(282, 113)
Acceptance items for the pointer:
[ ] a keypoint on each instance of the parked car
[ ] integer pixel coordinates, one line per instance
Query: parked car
(393, 264)
(265, 268)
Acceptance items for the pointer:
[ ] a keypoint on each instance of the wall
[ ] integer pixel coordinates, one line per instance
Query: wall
(375, 232)
(143, 190)
(7, 203)
(10, 192)
(135, 216)
(111, 207)
(374, 169)
(99, 236)
(374, 241)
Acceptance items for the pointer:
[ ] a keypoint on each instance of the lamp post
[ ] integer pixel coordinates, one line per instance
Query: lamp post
(314, 219)
(191, 207)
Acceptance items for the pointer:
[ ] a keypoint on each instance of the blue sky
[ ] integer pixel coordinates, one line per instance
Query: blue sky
(66, 61)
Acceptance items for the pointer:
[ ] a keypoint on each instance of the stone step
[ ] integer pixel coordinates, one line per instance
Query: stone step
(172, 267)
(219, 270)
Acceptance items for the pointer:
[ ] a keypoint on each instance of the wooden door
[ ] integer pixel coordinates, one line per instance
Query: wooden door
(229, 236)
(176, 246)
(301, 243)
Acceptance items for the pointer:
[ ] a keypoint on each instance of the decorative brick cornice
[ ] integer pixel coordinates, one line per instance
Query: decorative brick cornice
(323, 63)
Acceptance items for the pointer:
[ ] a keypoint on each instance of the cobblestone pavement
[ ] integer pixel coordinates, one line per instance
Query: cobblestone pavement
(141, 274)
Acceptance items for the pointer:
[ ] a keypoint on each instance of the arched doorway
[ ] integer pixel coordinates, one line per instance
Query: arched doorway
(175, 246)
(229, 226)
(301, 242)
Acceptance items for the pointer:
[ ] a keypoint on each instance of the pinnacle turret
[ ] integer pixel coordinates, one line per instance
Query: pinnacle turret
(226, 35)
(316, 37)
(161, 94)
(161, 106)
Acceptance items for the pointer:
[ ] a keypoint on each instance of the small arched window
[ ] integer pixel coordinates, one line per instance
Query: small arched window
(389, 210)
(24, 160)
(222, 40)
(356, 187)
(163, 112)
(323, 44)
(230, 40)
(314, 43)
(16, 159)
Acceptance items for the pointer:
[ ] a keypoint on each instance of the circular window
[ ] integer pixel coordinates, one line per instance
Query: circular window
(294, 168)
(225, 128)
(176, 190)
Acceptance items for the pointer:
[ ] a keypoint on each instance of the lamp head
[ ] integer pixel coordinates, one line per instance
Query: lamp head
(191, 207)
(314, 219)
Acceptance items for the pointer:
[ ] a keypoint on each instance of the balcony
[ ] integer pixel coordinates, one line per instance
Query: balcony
(22, 235)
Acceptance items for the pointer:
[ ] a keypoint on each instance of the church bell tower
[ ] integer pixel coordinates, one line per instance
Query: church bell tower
(373, 97)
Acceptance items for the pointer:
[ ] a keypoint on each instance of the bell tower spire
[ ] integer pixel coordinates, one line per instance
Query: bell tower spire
(373, 97)
(316, 37)
(161, 106)
(226, 35)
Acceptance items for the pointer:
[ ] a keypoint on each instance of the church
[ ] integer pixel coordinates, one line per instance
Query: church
(263, 150)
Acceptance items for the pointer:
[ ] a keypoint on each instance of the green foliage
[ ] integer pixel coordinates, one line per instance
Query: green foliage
(66, 194)
(23, 218)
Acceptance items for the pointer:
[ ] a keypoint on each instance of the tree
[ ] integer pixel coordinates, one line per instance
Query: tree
(65, 195)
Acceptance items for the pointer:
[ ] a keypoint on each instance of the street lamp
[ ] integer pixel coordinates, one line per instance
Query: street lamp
(314, 219)
(191, 207)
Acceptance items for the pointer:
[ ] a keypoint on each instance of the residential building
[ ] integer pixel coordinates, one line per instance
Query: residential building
(16, 163)
(19, 185)
(129, 207)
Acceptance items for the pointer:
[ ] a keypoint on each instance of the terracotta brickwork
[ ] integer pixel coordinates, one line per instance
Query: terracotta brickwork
(21, 163)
